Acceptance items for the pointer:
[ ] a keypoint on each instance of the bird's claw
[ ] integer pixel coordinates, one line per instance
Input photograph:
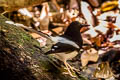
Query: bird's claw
(72, 75)
(71, 70)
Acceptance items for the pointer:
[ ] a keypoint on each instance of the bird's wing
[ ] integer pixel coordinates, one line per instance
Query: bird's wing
(61, 47)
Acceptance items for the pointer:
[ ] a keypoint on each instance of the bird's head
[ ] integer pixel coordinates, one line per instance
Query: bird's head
(75, 27)
(73, 32)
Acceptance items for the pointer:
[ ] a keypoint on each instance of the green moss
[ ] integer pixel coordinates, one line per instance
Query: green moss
(16, 35)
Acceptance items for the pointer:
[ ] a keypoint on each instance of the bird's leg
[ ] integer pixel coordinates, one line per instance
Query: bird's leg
(72, 68)
(66, 64)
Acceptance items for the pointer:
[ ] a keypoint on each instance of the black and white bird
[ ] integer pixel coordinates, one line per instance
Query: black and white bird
(67, 45)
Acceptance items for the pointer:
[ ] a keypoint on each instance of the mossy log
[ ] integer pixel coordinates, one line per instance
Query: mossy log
(21, 57)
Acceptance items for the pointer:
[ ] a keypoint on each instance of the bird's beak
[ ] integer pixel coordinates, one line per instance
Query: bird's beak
(85, 25)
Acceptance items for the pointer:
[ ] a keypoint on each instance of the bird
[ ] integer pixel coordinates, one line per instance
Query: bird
(68, 45)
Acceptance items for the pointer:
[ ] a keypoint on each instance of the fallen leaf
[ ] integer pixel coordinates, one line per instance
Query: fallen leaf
(117, 23)
(115, 37)
(58, 30)
(44, 17)
(109, 5)
(91, 32)
(35, 35)
(74, 4)
(25, 12)
(87, 13)
(103, 71)
(102, 27)
(89, 55)
(98, 40)
(94, 3)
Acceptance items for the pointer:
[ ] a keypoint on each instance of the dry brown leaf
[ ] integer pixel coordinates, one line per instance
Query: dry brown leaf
(56, 4)
(35, 35)
(73, 4)
(56, 17)
(115, 37)
(107, 44)
(87, 13)
(91, 32)
(102, 27)
(109, 5)
(89, 55)
(58, 30)
(104, 15)
(111, 25)
(44, 18)
(87, 41)
(98, 40)
(70, 15)
(101, 52)
(39, 38)
(25, 12)
(94, 3)
(117, 23)
(103, 71)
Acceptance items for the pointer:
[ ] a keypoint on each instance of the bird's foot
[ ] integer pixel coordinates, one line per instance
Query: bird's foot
(71, 74)
(71, 70)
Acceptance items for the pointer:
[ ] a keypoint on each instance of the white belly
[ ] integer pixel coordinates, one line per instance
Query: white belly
(65, 56)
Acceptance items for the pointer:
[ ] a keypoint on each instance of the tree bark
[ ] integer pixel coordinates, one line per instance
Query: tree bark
(21, 57)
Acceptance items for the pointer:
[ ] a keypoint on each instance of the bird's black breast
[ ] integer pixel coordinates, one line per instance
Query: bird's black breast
(77, 38)
(73, 33)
